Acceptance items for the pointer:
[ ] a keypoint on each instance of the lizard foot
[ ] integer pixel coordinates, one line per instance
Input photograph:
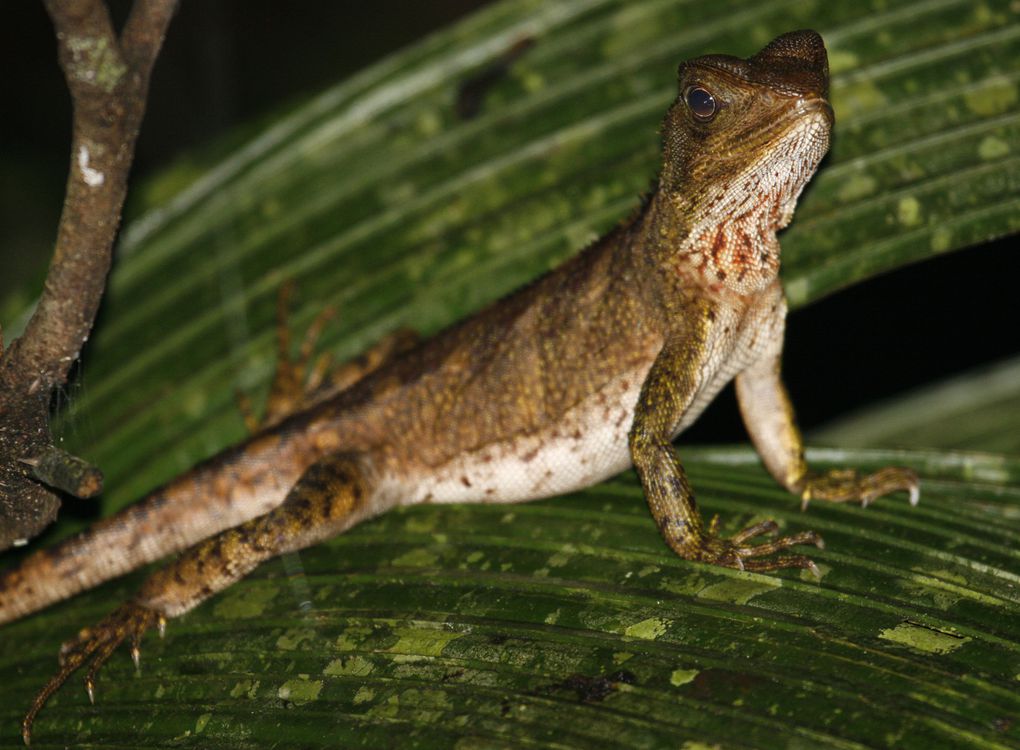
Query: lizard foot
(130, 620)
(297, 377)
(847, 485)
(735, 552)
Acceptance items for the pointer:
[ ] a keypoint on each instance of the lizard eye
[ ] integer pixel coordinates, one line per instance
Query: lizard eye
(701, 103)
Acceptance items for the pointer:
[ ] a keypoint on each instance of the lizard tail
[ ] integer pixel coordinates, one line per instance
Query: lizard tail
(221, 492)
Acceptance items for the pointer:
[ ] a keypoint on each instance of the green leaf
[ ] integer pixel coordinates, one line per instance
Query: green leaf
(977, 410)
(564, 623)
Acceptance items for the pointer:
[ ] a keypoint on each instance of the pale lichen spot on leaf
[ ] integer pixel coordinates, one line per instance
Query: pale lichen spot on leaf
(201, 721)
(856, 187)
(420, 523)
(941, 239)
(558, 559)
(797, 291)
(621, 656)
(352, 638)
(944, 588)
(474, 557)
(648, 629)
(300, 690)
(349, 666)
(245, 689)
(428, 123)
(417, 558)
(409, 659)
(840, 60)
(685, 585)
(857, 98)
(993, 96)
(424, 641)
(908, 211)
(533, 81)
(195, 404)
(922, 638)
(922, 592)
(245, 601)
(364, 695)
(739, 590)
(648, 570)
(293, 638)
(552, 617)
(387, 710)
(698, 745)
(682, 676)
(992, 147)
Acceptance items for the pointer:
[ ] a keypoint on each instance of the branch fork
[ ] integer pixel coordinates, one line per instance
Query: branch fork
(108, 78)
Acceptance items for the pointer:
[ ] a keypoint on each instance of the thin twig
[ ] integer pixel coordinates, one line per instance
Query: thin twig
(108, 78)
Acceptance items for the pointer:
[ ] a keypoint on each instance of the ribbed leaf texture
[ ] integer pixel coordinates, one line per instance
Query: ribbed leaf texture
(404, 197)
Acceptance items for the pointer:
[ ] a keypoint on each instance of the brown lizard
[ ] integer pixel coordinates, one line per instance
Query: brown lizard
(594, 367)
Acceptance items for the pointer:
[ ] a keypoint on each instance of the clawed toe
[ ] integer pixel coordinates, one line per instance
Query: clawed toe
(784, 561)
(734, 552)
(129, 621)
(846, 485)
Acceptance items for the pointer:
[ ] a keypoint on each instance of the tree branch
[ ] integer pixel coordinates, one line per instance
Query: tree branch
(108, 79)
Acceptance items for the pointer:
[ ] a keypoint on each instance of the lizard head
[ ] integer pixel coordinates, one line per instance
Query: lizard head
(746, 135)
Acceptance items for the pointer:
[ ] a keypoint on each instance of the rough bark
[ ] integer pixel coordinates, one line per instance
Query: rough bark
(108, 78)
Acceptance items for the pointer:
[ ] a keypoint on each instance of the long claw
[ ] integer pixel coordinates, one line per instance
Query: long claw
(764, 527)
(128, 621)
(735, 552)
(846, 485)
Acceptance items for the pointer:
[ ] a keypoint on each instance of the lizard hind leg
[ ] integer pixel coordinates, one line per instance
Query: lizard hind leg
(332, 495)
(130, 620)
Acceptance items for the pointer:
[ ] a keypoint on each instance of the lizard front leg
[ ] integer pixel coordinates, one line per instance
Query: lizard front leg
(667, 392)
(331, 496)
(768, 415)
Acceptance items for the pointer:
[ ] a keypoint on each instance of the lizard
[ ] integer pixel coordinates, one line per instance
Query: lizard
(594, 367)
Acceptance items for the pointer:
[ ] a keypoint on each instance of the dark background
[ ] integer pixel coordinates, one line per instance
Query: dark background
(227, 61)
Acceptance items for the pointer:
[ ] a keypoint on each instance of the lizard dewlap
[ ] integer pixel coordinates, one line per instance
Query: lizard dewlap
(593, 368)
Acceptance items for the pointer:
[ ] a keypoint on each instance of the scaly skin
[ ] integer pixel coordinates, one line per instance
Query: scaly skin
(594, 367)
